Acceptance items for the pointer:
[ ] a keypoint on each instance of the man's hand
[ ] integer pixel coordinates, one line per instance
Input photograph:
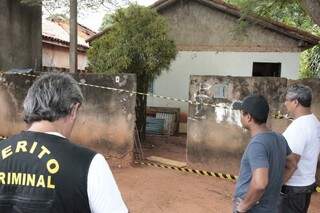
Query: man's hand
(239, 206)
(291, 166)
(257, 187)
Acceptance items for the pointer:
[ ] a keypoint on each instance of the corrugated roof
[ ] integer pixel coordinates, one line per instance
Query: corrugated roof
(53, 32)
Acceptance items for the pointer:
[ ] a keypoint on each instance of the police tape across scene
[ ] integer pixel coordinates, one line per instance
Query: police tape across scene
(277, 115)
(220, 175)
(229, 177)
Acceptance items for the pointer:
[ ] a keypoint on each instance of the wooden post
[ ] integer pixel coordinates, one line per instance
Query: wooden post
(73, 58)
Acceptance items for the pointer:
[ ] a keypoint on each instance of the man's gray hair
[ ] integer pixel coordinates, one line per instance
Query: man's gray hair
(51, 97)
(301, 93)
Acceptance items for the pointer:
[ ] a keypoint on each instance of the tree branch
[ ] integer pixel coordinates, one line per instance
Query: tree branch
(312, 7)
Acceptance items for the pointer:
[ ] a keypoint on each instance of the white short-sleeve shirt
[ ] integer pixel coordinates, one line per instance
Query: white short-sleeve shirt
(103, 193)
(303, 137)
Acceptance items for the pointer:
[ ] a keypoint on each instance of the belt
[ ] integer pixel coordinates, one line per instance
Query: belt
(298, 189)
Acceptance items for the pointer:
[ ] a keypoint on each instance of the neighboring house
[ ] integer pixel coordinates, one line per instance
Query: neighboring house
(20, 37)
(207, 36)
(55, 45)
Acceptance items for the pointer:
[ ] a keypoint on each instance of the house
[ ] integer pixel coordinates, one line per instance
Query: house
(210, 42)
(55, 44)
(20, 37)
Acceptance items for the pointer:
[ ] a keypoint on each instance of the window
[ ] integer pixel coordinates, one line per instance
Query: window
(266, 69)
(220, 91)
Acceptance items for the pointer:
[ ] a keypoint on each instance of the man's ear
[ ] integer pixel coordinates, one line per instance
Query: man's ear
(249, 117)
(74, 111)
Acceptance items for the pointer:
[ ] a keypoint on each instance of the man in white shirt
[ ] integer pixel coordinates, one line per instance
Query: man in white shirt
(41, 170)
(303, 137)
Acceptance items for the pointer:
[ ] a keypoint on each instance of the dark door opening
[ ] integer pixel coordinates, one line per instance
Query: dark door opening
(266, 69)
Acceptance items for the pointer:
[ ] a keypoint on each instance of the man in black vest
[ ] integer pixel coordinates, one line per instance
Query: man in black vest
(41, 170)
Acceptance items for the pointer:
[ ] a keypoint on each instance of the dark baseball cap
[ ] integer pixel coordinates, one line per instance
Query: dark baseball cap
(256, 105)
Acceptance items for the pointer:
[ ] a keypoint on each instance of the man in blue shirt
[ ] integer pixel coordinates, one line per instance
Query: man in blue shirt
(263, 162)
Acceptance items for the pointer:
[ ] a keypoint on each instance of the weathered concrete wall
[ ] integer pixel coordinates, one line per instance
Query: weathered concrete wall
(196, 27)
(20, 37)
(106, 121)
(216, 133)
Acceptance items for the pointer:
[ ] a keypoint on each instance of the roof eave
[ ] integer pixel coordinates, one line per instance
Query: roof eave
(58, 42)
(98, 35)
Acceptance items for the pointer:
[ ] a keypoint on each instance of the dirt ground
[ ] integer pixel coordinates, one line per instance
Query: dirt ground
(154, 190)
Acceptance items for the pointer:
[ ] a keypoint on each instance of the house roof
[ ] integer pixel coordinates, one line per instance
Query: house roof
(88, 29)
(54, 34)
(63, 22)
(306, 39)
(98, 35)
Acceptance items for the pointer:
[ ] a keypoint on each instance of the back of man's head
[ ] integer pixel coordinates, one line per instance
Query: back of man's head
(51, 97)
(301, 93)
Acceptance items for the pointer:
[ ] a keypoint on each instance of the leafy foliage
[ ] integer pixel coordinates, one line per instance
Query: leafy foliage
(84, 6)
(291, 13)
(106, 22)
(310, 63)
(287, 11)
(137, 42)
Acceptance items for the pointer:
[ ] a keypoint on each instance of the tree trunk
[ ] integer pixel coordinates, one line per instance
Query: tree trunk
(312, 7)
(141, 106)
(73, 58)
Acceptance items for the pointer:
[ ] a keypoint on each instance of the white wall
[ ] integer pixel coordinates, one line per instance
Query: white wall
(175, 83)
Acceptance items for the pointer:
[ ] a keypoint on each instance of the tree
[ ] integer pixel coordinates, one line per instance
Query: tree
(287, 11)
(311, 7)
(58, 16)
(310, 63)
(295, 13)
(137, 42)
(62, 6)
(106, 22)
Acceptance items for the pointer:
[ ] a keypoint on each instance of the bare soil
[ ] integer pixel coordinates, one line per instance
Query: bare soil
(155, 190)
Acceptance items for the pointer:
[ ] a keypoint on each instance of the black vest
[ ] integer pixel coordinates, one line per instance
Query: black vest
(43, 173)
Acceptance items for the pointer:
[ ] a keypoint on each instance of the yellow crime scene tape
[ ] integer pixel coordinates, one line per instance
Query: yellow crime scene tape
(134, 92)
(220, 175)
(277, 115)
(229, 177)
(194, 171)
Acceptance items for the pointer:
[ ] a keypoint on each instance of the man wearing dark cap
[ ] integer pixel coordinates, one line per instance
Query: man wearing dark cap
(263, 162)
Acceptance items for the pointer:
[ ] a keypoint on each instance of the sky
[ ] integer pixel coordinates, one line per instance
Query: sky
(93, 20)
